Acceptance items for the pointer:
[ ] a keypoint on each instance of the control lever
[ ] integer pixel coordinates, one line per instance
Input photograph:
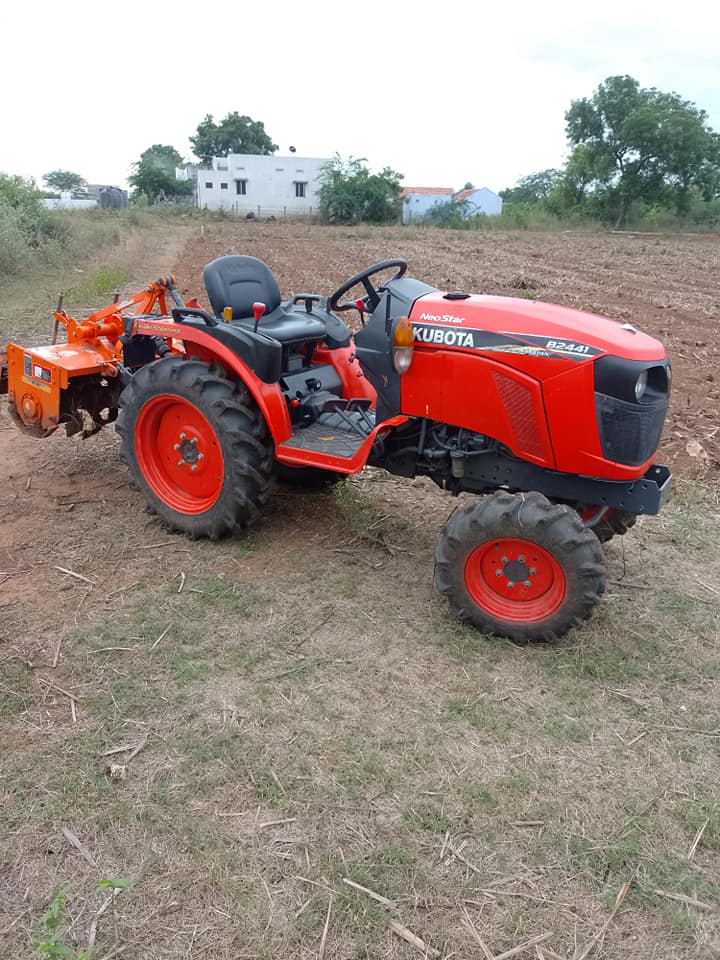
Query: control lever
(258, 310)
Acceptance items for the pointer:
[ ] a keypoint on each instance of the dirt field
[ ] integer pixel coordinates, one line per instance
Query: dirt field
(245, 732)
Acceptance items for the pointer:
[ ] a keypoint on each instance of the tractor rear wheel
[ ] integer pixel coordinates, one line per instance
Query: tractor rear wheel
(196, 445)
(519, 566)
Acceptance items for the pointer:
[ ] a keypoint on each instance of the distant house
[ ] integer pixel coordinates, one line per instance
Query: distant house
(417, 201)
(479, 200)
(260, 185)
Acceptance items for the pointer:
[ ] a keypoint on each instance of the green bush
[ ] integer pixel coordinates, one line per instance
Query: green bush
(350, 194)
(30, 235)
(26, 227)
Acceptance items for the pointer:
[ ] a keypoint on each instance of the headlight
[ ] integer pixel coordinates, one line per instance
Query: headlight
(402, 345)
(641, 386)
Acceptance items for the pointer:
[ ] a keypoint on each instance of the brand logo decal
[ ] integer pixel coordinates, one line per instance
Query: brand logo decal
(445, 338)
(444, 318)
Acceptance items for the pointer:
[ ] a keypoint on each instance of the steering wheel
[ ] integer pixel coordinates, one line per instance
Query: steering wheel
(333, 304)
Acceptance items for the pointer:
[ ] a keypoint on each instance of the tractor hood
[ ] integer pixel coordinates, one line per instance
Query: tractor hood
(513, 325)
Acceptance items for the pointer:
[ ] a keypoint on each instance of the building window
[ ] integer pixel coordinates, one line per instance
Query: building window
(208, 185)
(279, 169)
(223, 186)
(241, 187)
(300, 188)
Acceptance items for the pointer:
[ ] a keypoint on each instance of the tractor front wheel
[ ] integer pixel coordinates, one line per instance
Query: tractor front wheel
(612, 523)
(196, 445)
(519, 566)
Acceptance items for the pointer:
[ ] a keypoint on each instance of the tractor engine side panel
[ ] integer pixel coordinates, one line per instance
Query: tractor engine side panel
(479, 395)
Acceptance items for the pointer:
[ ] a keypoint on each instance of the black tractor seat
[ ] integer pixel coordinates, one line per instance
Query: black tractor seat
(286, 324)
(239, 282)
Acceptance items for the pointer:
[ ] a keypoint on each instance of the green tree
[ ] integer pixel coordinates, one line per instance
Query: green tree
(234, 134)
(350, 193)
(636, 144)
(64, 180)
(18, 193)
(534, 188)
(153, 175)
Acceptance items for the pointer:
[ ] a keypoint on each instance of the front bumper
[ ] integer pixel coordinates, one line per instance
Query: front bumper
(646, 495)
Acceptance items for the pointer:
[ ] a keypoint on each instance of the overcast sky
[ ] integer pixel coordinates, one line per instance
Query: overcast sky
(443, 92)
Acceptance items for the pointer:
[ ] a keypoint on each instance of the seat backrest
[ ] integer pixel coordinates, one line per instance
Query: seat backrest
(238, 282)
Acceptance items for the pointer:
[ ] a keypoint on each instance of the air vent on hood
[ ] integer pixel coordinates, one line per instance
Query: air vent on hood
(520, 411)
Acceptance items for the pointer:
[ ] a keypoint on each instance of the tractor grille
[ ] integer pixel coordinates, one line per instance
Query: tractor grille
(629, 432)
(517, 399)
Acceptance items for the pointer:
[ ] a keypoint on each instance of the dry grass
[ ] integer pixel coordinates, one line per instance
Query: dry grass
(297, 710)
(310, 714)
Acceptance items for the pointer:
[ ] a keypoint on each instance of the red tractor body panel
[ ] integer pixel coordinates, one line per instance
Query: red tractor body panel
(505, 367)
(537, 324)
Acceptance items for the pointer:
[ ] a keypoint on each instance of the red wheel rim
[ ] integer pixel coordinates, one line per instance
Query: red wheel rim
(179, 454)
(538, 581)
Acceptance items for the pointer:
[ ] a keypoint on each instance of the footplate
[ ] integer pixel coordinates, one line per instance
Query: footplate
(331, 444)
(323, 439)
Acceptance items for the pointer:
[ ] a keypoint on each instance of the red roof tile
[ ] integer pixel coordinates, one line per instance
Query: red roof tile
(464, 194)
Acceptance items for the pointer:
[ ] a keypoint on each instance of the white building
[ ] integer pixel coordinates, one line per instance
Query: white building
(417, 201)
(479, 200)
(265, 186)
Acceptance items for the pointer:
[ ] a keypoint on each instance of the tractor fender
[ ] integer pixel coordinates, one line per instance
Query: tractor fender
(248, 357)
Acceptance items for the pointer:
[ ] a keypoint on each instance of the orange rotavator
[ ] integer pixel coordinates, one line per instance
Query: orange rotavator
(551, 414)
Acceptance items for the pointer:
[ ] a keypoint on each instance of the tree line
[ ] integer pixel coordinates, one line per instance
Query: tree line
(633, 151)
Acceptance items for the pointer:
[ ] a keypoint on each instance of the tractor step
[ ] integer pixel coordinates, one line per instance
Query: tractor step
(339, 440)
(320, 437)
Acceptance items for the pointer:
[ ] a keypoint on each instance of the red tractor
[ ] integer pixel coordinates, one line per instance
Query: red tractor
(552, 415)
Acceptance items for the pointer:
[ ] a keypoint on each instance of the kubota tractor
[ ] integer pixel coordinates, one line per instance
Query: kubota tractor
(551, 415)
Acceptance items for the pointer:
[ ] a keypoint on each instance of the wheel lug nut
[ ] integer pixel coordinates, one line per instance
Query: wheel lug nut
(181, 463)
(194, 467)
(510, 584)
(527, 584)
(201, 456)
(498, 573)
(503, 559)
(182, 436)
(533, 571)
(521, 559)
(176, 446)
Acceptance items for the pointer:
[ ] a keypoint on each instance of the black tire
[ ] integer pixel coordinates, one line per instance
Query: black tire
(615, 523)
(503, 538)
(225, 450)
(312, 479)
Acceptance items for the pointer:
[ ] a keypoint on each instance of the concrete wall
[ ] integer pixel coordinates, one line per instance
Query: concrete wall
(269, 184)
(67, 202)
